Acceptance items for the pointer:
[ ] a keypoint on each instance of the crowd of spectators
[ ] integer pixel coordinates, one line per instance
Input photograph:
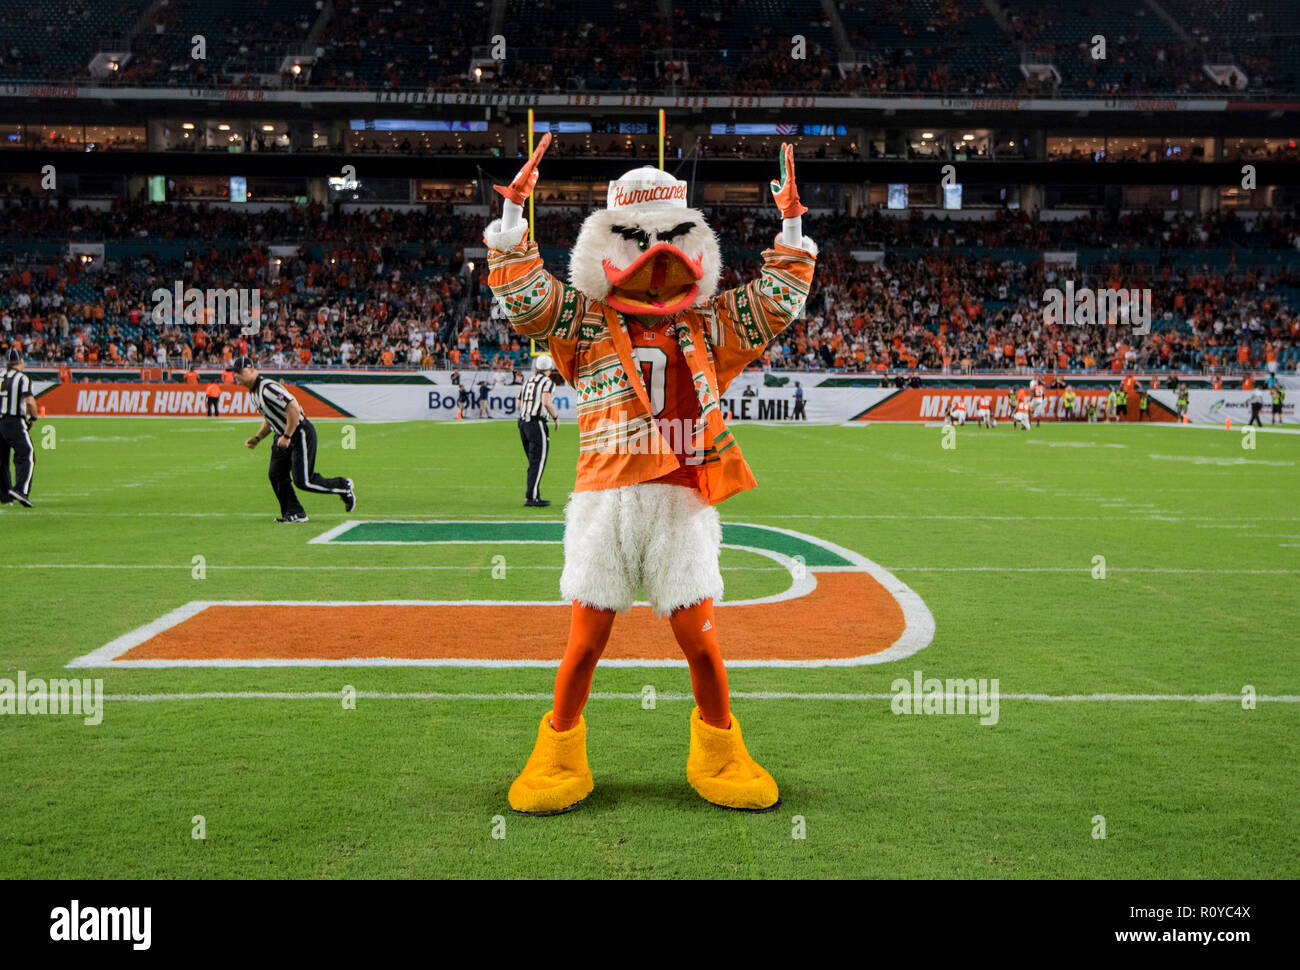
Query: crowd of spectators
(351, 307)
(381, 45)
(951, 313)
(1146, 229)
(241, 44)
(394, 289)
(32, 218)
(899, 47)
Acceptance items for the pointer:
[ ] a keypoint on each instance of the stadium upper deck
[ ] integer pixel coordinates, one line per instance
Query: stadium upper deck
(1178, 48)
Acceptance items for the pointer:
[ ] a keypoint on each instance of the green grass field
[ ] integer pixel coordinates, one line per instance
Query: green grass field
(1201, 540)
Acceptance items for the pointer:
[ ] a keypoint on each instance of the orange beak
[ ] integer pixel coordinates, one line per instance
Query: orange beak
(660, 282)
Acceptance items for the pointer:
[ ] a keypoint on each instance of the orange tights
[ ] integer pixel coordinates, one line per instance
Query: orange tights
(696, 634)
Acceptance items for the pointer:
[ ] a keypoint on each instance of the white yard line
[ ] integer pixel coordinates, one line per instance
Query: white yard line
(187, 567)
(667, 697)
(915, 516)
(926, 516)
(210, 567)
(1088, 569)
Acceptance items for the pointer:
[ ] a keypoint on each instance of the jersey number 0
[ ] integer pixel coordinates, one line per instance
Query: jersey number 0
(654, 375)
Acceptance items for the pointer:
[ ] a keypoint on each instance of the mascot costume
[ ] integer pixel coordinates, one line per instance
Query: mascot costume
(649, 345)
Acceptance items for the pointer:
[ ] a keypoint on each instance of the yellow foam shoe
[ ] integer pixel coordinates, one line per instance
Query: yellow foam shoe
(721, 770)
(556, 777)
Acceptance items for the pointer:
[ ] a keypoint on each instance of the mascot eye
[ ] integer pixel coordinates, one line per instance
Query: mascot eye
(643, 244)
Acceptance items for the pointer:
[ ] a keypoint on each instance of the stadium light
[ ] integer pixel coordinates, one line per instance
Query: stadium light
(927, 135)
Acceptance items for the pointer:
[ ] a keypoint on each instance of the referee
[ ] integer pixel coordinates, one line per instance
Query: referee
(533, 400)
(17, 412)
(293, 453)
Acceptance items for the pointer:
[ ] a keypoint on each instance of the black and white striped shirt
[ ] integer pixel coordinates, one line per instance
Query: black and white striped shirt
(271, 398)
(530, 398)
(15, 388)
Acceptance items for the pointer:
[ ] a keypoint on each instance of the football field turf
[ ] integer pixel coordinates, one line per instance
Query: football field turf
(1120, 679)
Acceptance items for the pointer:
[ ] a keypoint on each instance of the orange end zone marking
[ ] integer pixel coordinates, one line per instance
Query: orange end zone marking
(849, 614)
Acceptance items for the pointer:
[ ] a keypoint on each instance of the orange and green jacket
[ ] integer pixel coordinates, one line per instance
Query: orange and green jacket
(618, 441)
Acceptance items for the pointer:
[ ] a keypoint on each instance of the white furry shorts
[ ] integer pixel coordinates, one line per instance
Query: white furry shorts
(661, 538)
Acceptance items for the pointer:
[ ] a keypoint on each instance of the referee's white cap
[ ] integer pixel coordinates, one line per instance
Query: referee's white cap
(543, 362)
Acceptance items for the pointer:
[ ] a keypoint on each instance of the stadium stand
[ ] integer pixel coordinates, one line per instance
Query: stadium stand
(928, 45)
(854, 47)
(391, 288)
(54, 41)
(376, 45)
(1144, 55)
(243, 38)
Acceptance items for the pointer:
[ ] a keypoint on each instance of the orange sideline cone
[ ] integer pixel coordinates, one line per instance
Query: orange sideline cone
(1228, 424)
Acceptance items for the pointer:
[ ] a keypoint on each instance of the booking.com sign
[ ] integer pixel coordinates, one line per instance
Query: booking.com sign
(443, 404)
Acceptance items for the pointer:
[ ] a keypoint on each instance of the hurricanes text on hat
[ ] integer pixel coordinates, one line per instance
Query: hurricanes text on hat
(646, 188)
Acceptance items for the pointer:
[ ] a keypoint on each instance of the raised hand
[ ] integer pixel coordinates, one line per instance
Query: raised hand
(785, 192)
(523, 184)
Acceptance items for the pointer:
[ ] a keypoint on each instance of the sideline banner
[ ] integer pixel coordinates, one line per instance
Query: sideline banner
(398, 402)
(164, 400)
(422, 402)
(930, 404)
(750, 398)
(1216, 407)
(821, 404)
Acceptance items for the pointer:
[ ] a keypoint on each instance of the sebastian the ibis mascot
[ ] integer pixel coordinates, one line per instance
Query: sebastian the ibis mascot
(649, 344)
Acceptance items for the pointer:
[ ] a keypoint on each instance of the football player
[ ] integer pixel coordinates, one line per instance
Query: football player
(956, 411)
(1021, 415)
(1037, 402)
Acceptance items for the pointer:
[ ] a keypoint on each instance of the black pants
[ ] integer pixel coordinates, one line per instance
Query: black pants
(1255, 408)
(212, 407)
(15, 440)
(296, 465)
(798, 410)
(536, 444)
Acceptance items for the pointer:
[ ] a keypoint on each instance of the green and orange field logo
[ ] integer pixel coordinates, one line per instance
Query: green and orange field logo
(841, 609)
